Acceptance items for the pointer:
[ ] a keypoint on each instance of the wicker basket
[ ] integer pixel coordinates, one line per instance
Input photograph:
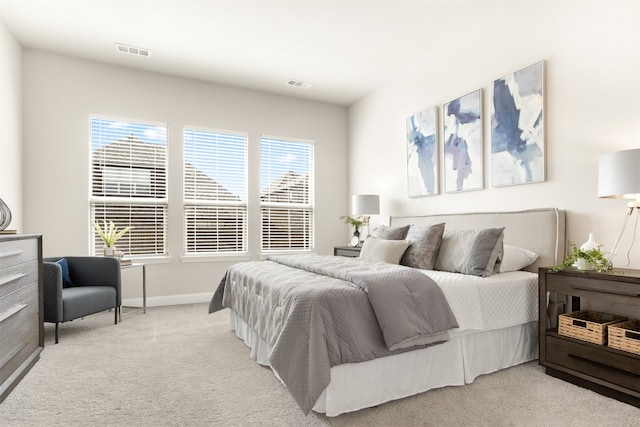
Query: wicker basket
(625, 336)
(587, 325)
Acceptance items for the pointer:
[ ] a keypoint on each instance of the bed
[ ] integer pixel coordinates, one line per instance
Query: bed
(495, 312)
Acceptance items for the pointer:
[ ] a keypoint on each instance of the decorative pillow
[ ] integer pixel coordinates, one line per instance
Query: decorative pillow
(515, 258)
(66, 278)
(474, 252)
(425, 244)
(375, 249)
(390, 233)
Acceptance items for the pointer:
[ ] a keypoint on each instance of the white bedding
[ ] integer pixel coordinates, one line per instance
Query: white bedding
(498, 328)
(494, 302)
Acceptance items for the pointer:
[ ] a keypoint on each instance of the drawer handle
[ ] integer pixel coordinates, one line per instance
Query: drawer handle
(7, 280)
(593, 362)
(10, 254)
(633, 335)
(580, 323)
(13, 310)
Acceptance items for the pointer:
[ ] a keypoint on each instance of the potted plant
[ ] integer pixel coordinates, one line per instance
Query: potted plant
(585, 259)
(110, 235)
(356, 223)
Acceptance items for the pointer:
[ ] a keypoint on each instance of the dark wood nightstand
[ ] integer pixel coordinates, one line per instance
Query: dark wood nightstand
(347, 251)
(605, 370)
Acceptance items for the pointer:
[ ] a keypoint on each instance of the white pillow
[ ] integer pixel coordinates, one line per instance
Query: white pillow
(515, 258)
(377, 250)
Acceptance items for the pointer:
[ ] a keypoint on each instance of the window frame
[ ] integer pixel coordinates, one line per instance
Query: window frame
(244, 238)
(304, 207)
(133, 202)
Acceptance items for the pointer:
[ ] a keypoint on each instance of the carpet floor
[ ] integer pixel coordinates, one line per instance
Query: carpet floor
(179, 366)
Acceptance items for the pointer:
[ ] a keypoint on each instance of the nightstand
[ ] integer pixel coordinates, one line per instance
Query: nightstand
(347, 251)
(600, 368)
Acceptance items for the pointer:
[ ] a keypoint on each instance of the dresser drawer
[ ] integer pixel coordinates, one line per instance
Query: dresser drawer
(14, 252)
(24, 305)
(17, 347)
(17, 276)
(599, 362)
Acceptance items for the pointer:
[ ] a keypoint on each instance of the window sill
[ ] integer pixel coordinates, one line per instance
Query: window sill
(150, 260)
(215, 258)
(266, 255)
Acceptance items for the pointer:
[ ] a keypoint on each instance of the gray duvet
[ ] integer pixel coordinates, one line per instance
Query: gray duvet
(316, 312)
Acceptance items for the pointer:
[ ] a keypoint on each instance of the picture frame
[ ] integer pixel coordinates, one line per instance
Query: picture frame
(517, 127)
(422, 153)
(462, 143)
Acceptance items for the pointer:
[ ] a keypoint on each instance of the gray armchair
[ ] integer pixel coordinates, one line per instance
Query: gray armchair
(84, 286)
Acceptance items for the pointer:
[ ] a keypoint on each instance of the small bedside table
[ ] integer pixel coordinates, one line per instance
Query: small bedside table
(347, 251)
(603, 369)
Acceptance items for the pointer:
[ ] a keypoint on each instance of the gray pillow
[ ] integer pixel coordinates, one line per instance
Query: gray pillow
(390, 233)
(474, 252)
(425, 244)
(377, 250)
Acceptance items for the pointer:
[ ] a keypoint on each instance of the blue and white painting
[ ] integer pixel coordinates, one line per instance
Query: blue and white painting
(463, 165)
(517, 128)
(422, 153)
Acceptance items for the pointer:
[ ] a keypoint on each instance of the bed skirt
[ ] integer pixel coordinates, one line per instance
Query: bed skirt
(461, 360)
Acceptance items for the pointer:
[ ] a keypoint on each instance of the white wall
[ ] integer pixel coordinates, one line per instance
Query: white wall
(11, 126)
(592, 65)
(61, 93)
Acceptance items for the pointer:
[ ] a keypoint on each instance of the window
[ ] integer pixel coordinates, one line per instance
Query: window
(215, 192)
(286, 194)
(129, 184)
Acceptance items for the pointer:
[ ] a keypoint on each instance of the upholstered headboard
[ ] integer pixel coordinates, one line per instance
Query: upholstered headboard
(539, 230)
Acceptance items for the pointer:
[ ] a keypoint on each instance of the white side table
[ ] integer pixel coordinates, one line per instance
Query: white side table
(144, 282)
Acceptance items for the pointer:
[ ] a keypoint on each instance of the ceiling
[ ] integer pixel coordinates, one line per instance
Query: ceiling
(346, 49)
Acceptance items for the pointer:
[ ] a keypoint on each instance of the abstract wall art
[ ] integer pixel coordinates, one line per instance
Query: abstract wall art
(462, 143)
(517, 128)
(422, 153)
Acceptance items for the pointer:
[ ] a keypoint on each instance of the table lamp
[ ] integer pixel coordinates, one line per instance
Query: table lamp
(365, 205)
(619, 178)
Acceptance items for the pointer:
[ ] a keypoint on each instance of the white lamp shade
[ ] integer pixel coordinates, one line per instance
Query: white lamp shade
(365, 204)
(619, 175)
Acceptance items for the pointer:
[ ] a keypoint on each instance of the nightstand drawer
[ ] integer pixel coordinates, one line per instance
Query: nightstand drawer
(596, 361)
(346, 251)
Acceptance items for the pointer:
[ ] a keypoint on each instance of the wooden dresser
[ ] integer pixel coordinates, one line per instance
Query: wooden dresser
(21, 315)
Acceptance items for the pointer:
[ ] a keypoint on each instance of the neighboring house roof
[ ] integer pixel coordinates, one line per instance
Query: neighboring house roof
(291, 187)
(132, 151)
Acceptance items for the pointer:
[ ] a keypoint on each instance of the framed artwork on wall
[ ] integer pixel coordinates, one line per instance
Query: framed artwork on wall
(422, 153)
(462, 143)
(517, 127)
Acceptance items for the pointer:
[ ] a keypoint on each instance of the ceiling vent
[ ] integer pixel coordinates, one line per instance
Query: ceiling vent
(299, 83)
(138, 51)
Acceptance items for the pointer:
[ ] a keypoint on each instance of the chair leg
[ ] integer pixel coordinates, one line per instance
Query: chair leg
(116, 311)
(57, 323)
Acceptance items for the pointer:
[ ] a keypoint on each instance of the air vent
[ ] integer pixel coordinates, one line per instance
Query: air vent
(299, 83)
(138, 51)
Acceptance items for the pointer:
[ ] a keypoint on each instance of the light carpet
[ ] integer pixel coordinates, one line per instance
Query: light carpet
(180, 366)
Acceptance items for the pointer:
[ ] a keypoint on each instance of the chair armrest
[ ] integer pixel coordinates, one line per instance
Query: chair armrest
(52, 291)
(95, 271)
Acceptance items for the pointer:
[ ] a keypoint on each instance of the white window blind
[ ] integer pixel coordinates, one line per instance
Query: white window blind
(129, 184)
(286, 194)
(215, 192)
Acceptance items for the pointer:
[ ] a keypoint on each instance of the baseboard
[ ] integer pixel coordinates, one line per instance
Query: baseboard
(168, 300)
